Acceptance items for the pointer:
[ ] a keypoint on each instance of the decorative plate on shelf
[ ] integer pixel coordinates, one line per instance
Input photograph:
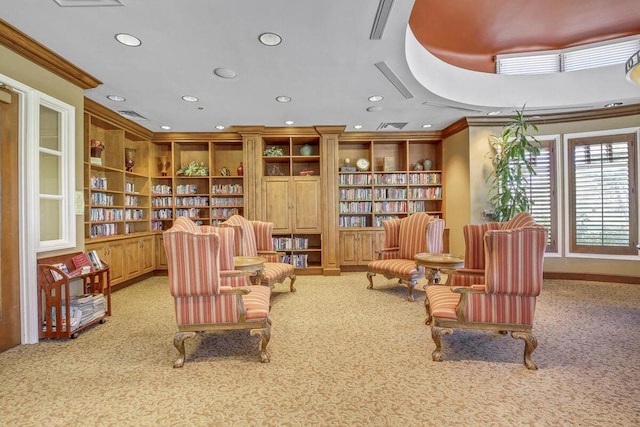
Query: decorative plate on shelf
(362, 164)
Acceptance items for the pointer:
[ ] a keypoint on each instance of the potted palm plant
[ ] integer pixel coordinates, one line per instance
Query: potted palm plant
(512, 153)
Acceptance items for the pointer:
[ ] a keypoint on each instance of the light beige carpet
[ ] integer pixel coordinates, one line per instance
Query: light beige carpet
(342, 355)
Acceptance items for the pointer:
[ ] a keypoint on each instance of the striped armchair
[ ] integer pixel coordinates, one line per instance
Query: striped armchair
(208, 294)
(505, 301)
(254, 238)
(404, 238)
(473, 271)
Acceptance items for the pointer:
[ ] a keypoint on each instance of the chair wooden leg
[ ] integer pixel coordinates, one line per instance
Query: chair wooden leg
(530, 344)
(370, 275)
(427, 319)
(292, 287)
(265, 336)
(178, 342)
(436, 333)
(411, 284)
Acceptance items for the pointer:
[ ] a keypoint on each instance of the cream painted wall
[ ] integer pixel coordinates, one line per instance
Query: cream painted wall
(457, 187)
(18, 68)
(480, 167)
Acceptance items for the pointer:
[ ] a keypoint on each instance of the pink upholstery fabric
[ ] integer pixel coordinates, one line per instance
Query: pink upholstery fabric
(199, 265)
(413, 235)
(403, 268)
(392, 233)
(513, 278)
(256, 240)
(246, 238)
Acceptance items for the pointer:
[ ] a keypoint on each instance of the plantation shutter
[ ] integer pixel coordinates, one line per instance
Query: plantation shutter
(603, 206)
(541, 192)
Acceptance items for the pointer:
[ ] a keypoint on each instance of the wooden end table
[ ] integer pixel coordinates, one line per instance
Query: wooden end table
(436, 263)
(251, 264)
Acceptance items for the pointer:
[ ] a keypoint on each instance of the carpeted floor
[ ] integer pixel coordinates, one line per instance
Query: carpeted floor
(341, 355)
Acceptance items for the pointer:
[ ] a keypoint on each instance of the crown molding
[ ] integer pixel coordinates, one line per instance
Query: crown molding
(25, 46)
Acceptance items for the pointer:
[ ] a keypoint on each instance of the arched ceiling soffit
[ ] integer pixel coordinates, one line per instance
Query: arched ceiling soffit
(469, 33)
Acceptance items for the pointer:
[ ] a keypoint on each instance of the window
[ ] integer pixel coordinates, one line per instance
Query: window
(603, 200)
(541, 191)
(55, 180)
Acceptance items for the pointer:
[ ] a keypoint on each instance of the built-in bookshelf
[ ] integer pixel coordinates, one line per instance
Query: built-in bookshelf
(394, 183)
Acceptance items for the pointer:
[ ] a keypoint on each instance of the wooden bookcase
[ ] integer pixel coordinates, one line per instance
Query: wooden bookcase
(292, 198)
(393, 186)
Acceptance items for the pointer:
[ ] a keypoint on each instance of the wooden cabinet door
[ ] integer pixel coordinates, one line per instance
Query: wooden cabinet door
(277, 202)
(147, 254)
(134, 264)
(367, 247)
(161, 256)
(307, 205)
(348, 248)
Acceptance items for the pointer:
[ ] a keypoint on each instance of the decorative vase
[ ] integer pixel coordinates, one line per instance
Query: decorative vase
(427, 164)
(224, 171)
(163, 165)
(418, 167)
(129, 159)
(306, 150)
(96, 152)
(240, 170)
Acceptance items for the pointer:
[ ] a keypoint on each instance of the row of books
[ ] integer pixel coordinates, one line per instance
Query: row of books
(130, 200)
(226, 201)
(186, 189)
(224, 213)
(100, 230)
(133, 214)
(290, 243)
(160, 189)
(354, 207)
(82, 263)
(192, 201)
(97, 182)
(101, 199)
(162, 201)
(101, 214)
(297, 260)
(226, 189)
(162, 214)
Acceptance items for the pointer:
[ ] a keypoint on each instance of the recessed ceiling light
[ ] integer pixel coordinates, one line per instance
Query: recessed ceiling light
(270, 39)
(189, 98)
(225, 73)
(426, 126)
(613, 104)
(165, 127)
(219, 127)
(128, 40)
(494, 113)
(283, 98)
(376, 98)
(288, 122)
(116, 98)
(357, 126)
(374, 109)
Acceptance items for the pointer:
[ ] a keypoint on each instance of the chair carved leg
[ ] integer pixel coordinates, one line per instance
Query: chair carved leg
(530, 344)
(265, 336)
(410, 285)
(427, 319)
(178, 342)
(436, 333)
(370, 275)
(292, 287)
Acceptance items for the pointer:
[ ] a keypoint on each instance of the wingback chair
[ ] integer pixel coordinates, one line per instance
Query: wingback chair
(506, 300)
(403, 239)
(254, 238)
(473, 270)
(208, 294)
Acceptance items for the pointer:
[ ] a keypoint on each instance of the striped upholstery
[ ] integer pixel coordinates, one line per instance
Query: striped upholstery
(196, 261)
(512, 278)
(255, 239)
(404, 238)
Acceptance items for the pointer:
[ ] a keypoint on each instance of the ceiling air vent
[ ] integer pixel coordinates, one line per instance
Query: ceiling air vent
(379, 22)
(394, 125)
(88, 3)
(131, 115)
